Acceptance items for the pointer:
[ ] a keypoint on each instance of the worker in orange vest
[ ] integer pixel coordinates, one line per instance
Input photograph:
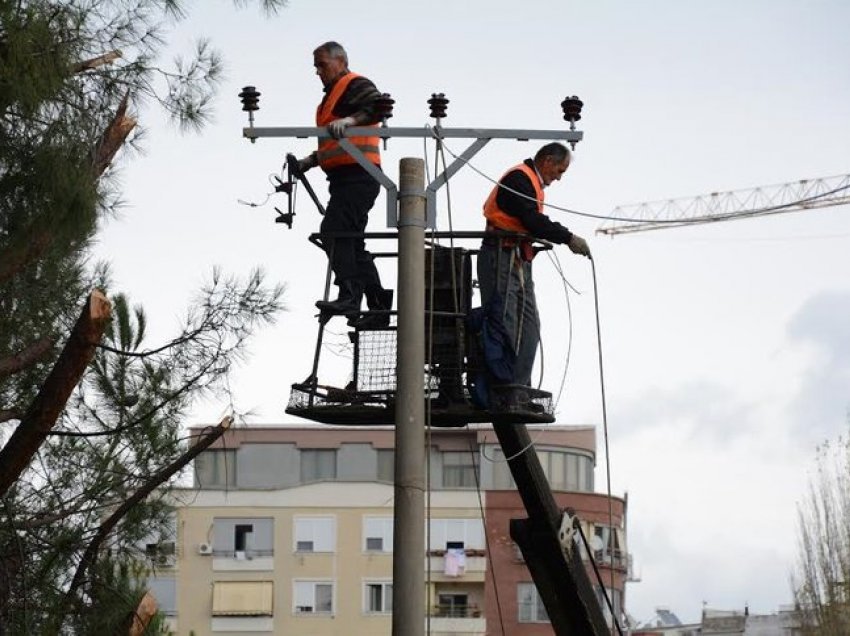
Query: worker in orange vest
(349, 101)
(504, 264)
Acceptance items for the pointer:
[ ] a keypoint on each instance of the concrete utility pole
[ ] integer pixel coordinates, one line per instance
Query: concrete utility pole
(409, 514)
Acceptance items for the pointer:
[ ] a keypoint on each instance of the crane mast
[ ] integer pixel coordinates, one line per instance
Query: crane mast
(794, 196)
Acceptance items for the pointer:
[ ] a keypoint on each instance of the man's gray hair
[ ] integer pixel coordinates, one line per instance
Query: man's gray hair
(557, 151)
(334, 49)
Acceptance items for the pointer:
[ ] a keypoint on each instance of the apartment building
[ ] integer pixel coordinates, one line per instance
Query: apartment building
(289, 530)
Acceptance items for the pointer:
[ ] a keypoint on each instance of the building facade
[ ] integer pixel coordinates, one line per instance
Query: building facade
(289, 530)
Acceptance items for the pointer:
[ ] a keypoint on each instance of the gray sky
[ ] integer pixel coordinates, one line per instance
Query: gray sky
(726, 348)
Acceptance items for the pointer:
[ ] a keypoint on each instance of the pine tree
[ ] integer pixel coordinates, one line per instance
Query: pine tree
(71, 74)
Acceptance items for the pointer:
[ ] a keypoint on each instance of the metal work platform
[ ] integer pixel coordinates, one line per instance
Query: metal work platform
(453, 361)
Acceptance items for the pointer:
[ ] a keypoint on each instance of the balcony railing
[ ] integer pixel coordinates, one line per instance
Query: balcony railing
(242, 554)
(615, 558)
(456, 611)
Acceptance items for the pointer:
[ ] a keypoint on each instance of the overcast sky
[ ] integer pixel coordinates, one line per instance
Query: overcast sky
(726, 348)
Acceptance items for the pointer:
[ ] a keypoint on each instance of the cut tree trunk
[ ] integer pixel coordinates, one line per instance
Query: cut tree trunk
(42, 414)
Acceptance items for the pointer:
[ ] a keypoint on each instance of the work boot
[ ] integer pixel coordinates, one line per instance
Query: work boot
(350, 296)
(378, 299)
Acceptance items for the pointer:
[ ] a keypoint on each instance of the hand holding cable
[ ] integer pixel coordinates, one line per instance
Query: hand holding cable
(578, 245)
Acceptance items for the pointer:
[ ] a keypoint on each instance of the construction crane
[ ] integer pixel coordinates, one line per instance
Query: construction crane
(805, 194)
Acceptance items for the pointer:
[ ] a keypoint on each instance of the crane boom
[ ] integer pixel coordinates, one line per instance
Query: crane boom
(805, 194)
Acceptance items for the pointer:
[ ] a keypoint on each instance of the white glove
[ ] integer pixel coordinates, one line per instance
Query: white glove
(578, 245)
(337, 127)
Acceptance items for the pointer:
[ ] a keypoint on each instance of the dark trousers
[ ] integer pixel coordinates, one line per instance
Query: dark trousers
(504, 271)
(351, 198)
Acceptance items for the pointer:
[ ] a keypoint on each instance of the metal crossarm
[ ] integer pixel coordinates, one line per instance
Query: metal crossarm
(482, 137)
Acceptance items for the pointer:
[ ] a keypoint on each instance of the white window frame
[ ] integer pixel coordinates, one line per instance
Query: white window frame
(384, 584)
(221, 466)
(537, 611)
(375, 527)
(466, 530)
(312, 584)
(463, 468)
(304, 529)
(304, 453)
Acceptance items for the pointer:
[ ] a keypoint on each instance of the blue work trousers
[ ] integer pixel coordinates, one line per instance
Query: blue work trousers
(504, 271)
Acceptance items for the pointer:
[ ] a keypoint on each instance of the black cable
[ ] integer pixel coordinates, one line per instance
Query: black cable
(604, 420)
(486, 537)
(589, 552)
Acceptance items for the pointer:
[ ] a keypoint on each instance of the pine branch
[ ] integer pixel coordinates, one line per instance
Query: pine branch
(41, 416)
(111, 140)
(113, 137)
(152, 484)
(26, 357)
(94, 62)
(9, 414)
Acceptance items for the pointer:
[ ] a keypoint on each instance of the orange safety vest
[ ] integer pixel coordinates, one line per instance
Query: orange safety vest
(498, 219)
(331, 155)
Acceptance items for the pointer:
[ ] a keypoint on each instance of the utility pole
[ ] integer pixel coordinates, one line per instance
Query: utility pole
(409, 513)
(545, 539)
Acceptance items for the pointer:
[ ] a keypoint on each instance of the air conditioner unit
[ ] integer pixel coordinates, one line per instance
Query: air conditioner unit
(165, 560)
(205, 548)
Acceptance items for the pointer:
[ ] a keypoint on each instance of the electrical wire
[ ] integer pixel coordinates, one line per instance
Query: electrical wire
(553, 258)
(775, 209)
(604, 421)
(252, 204)
(486, 536)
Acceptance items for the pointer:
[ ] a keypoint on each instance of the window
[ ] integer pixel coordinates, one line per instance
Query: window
(164, 591)
(242, 537)
(314, 534)
(608, 546)
(458, 469)
(613, 597)
(386, 464)
(378, 534)
(312, 597)
(567, 471)
(452, 605)
(502, 478)
(216, 469)
(457, 533)
(318, 464)
(530, 607)
(242, 598)
(378, 597)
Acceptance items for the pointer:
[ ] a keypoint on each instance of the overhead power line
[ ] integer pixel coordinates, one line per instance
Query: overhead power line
(794, 196)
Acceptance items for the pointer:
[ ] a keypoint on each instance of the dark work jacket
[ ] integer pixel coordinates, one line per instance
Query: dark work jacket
(538, 225)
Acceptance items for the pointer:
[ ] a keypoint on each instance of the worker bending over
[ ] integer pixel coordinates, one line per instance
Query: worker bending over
(504, 264)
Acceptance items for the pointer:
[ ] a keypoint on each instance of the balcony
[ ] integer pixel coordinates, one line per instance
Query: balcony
(474, 565)
(243, 560)
(616, 559)
(457, 619)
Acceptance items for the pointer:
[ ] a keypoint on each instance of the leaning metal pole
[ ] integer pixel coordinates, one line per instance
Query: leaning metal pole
(409, 513)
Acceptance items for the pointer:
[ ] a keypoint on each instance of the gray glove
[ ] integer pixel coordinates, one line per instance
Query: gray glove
(305, 163)
(578, 245)
(337, 127)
